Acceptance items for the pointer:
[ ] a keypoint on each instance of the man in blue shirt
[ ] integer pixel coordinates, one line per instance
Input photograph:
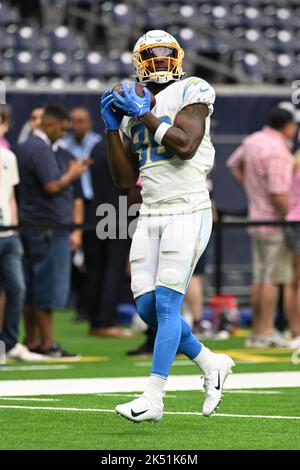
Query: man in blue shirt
(80, 142)
(46, 198)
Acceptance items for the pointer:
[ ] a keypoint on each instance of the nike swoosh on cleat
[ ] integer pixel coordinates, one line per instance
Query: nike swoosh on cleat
(135, 415)
(218, 387)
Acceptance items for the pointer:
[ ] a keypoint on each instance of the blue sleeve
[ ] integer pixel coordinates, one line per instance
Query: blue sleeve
(44, 164)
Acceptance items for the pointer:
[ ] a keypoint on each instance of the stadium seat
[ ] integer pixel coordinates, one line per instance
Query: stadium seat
(194, 42)
(284, 18)
(250, 64)
(126, 66)
(24, 63)
(95, 64)
(284, 41)
(8, 37)
(255, 37)
(123, 15)
(6, 66)
(64, 39)
(28, 38)
(286, 67)
(8, 14)
(61, 65)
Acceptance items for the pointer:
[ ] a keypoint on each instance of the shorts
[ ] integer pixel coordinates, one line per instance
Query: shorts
(165, 250)
(47, 263)
(292, 237)
(272, 260)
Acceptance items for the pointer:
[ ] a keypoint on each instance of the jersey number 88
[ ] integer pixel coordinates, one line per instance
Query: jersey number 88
(146, 147)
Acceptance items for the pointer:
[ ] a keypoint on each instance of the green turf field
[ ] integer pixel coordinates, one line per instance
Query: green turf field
(248, 418)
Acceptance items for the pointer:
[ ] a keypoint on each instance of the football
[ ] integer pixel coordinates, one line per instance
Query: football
(139, 89)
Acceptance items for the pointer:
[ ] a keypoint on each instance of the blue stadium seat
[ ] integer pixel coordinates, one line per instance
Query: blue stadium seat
(126, 66)
(221, 16)
(64, 39)
(286, 67)
(250, 64)
(285, 40)
(284, 18)
(24, 63)
(61, 65)
(8, 14)
(8, 37)
(95, 64)
(153, 19)
(190, 40)
(6, 66)
(122, 15)
(250, 16)
(255, 37)
(29, 38)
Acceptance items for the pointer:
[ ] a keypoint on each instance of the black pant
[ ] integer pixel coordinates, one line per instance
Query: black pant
(105, 264)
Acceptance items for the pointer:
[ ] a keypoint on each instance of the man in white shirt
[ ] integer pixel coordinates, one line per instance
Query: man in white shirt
(11, 271)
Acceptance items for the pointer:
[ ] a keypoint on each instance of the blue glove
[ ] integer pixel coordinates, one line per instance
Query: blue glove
(132, 104)
(112, 119)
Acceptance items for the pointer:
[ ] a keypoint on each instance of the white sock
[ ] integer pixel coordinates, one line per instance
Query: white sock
(156, 387)
(204, 359)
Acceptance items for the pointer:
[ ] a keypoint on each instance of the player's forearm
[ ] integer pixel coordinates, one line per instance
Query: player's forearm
(175, 139)
(121, 169)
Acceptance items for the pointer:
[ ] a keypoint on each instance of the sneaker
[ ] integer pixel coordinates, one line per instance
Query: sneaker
(295, 343)
(143, 350)
(214, 380)
(21, 353)
(55, 351)
(266, 341)
(141, 409)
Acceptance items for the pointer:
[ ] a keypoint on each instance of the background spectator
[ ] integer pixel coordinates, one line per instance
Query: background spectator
(105, 259)
(11, 272)
(33, 123)
(80, 141)
(293, 240)
(262, 165)
(46, 198)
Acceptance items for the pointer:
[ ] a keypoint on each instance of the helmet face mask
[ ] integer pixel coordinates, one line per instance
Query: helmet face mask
(157, 57)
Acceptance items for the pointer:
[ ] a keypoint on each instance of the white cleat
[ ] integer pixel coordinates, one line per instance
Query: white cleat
(214, 380)
(141, 409)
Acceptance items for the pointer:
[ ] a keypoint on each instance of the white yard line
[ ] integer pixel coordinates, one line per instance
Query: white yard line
(100, 410)
(136, 384)
(134, 395)
(255, 392)
(28, 368)
(189, 363)
(29, 399)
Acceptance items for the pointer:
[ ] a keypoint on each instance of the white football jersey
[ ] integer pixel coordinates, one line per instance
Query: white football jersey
(169, 184)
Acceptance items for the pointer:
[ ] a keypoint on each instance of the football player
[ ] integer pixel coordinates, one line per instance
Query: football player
(169, 146)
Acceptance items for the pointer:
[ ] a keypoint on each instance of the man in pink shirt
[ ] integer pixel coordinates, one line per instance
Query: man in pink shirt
(293, 240)
(262, 164)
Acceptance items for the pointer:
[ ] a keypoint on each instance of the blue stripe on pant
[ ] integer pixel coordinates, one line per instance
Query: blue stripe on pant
(160, 309)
